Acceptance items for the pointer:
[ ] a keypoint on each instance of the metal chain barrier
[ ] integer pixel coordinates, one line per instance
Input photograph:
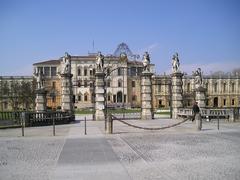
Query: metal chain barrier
(147, 128)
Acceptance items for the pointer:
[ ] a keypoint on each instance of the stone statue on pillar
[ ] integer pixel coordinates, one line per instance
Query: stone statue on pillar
(66, 85)
(176, 89)
(199, 89)
(40, 100)
(175, 63)
(100, 88)
(146, 89)
(198, 78)
(146, 62)
(38, 74)
(100, 61)
(66, 64)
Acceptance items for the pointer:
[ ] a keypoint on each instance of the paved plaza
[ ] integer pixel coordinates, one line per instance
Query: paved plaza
(180, 152)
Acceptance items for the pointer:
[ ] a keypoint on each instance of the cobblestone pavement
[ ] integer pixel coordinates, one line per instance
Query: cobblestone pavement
(177, 153)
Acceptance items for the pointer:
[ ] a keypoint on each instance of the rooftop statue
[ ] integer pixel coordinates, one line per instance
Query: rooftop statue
(175, 63)
(38, 74)
(66, 64)
(146, 62)
(100, 61)
(198, 78)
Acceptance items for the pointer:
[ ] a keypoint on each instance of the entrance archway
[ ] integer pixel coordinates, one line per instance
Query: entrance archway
(119, 97)
(215, 102)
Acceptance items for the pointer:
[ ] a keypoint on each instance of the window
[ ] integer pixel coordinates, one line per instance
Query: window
(133, 83)
(85, 72)
(79, 97)
(159, 88)
(114, 98)
(79, 83)
(119, 83)
(134, 98)
(79, 72)
(224, 87)
(85, 97)
(125, 97)
(85, 83)
(233, 87)
(224, 102)
(46, 71)
(215, 87)
(233, 102)
(53, 84)
(120, 71)
(53, 99)
(91, 72)
(188, 87)
(53, 71)
(109, 98)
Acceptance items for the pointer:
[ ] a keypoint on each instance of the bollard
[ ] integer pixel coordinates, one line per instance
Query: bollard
(109, 124)
(23, 122)
(85, 125)
(198, 119)
(53, 119)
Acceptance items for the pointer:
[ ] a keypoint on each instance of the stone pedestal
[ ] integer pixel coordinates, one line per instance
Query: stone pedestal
(100, 98)
(198, 120)
(41, 102)
(67, 93)
(177, 93)
(146, 95)
(201, 97)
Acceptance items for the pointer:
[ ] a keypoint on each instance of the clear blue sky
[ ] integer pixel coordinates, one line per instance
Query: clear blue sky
(205, 33)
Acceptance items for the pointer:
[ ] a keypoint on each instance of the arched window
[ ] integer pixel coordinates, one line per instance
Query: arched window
(188, 87)
(224, 87)
(233, 87)
(134, 98)
(119, 83)
(119, 97)
(215, 87)
(79, 71)
(85, 97)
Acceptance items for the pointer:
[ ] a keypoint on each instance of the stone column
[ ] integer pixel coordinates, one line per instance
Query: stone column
(146, 95)
(177, 93)
(67, 93)
(201, 97)
(100, 98)
(41, 102)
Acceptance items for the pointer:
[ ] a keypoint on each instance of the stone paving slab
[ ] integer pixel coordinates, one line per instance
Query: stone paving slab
(89, 159)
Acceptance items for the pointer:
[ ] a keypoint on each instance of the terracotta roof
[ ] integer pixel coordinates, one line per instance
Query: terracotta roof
(49, 62)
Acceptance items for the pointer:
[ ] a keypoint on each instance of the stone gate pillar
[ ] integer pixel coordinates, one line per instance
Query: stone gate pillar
(146, 95)
(67, 93)
(41, 102)
(100, 96)
(177, 97)
(201, 96)
(66, 86)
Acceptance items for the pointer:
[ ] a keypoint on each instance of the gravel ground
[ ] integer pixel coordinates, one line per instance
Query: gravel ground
(179, 156)
(28, 158)
(177, 153)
